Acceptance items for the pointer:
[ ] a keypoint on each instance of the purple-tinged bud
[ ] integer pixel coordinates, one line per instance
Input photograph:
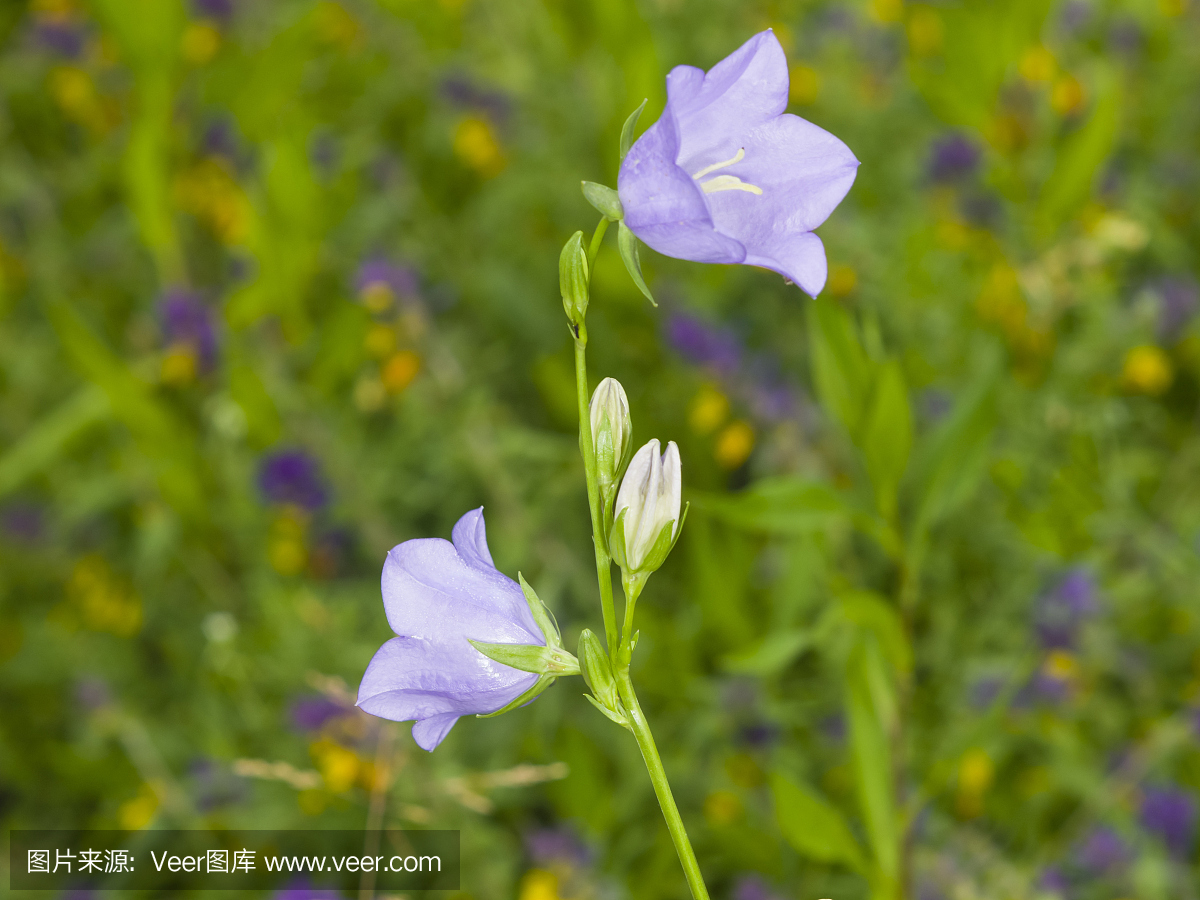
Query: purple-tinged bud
(292, 477)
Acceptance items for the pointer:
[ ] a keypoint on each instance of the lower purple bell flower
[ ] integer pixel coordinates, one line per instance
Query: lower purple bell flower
(440, 596)
(725, 176)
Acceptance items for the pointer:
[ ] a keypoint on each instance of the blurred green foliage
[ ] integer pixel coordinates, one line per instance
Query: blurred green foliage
(278, 291)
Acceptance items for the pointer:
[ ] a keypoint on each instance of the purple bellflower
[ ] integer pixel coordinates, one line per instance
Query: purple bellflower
(292, 476)
(439, 597)
(1170, 813)
(725, 176)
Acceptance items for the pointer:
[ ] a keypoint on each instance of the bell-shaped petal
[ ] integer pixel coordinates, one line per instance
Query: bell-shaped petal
(439, 596)
(726, 176)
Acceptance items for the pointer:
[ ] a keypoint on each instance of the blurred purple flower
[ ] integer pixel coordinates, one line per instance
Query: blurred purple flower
(1059, 613)
(982, 210)
(23, 521)
(725, 176)
(438, 595)
(1053, 880)
(927, 890)
(92, 693)
(1170, 813)
(213, 784)
(323, 152)
(63, 37)
(187, 320)
(833, 727)
(985, 691)
(953, 157)
(459, 90)
(377, 274)
(221, 10)
(1125, 36)
(1101, 851)
(557, 845)
(752, 887)
(758, 734)
(1178, 298)
(292, 476)
(934, 403)
(299, 890)
(1075, 15)
(312, 712)
(704, 344)
(774, 402)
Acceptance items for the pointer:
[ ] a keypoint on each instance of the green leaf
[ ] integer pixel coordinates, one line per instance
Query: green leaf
(1081, 155)
(628, 127)
(841, 371)
(39, 447)
(887, 436)
(872, 761)
(776, 652)
(785, 505)
(540, 614)
(870, 612)
(813, 826)
(262, 418)
(627, 244)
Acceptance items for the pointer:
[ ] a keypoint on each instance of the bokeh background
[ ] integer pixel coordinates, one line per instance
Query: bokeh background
(278, 290)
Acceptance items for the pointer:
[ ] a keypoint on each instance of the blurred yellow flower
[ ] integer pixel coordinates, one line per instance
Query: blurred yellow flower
(708, 409)
(178, 365)
(287, 549)
(1173, 8)
(842, 280)
(399, 371)
(209, 192)
(369, 394)
(975, 773)
(377, 296)
(805, 85)
(886, 11)
(1038, 64)
(136, 814)
(1067, 96)
(734, 444)
(380, 340)
(1147, 370)
(538, 884)
(475, 143)
(722, 808)
(76, 95)
(338, 765)
(336, 25)
(1061, 665)
(103, 601)
(925, 31)
(201, 41)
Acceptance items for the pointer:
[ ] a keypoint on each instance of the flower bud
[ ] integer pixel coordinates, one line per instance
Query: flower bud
(597, 672)
(646, 518)
(573, 280)
(612, 432)
(604, 199)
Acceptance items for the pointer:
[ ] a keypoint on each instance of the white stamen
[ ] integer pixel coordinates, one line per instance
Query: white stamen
(728, 183)
(741, 154)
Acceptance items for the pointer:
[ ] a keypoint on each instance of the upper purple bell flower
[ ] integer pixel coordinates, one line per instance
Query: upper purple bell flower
(439, 596)
(725, 176)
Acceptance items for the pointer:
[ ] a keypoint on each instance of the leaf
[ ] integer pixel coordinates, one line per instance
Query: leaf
(887, 436)
(528, 697)
(952, 460)
(784, 505)
(841, 371)
(1080, 156)
(870, 612)
(604, 200)
(773, 655)
(540, 614)
(628, 127)
(813, 826)
(262, 418)
(627, 244)
(872, 760)
(39, 447)
(530, 658)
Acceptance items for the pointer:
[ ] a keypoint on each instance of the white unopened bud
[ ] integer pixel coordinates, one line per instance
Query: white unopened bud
(612, 432)
(647, 504)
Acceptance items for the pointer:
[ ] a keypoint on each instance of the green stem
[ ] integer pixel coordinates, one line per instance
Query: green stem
(603, 561)
(662, 788)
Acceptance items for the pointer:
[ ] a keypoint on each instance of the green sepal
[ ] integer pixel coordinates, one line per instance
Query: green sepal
(534, 658)
(615, 717)
(627, 243)
(532, 694)
(627, 129)
(541, 615)
(604, 199)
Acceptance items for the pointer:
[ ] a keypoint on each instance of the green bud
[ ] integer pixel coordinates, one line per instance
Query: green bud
(604, 199)
(573, 280)
(612, 430)
(593, 663)
(531, 658)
